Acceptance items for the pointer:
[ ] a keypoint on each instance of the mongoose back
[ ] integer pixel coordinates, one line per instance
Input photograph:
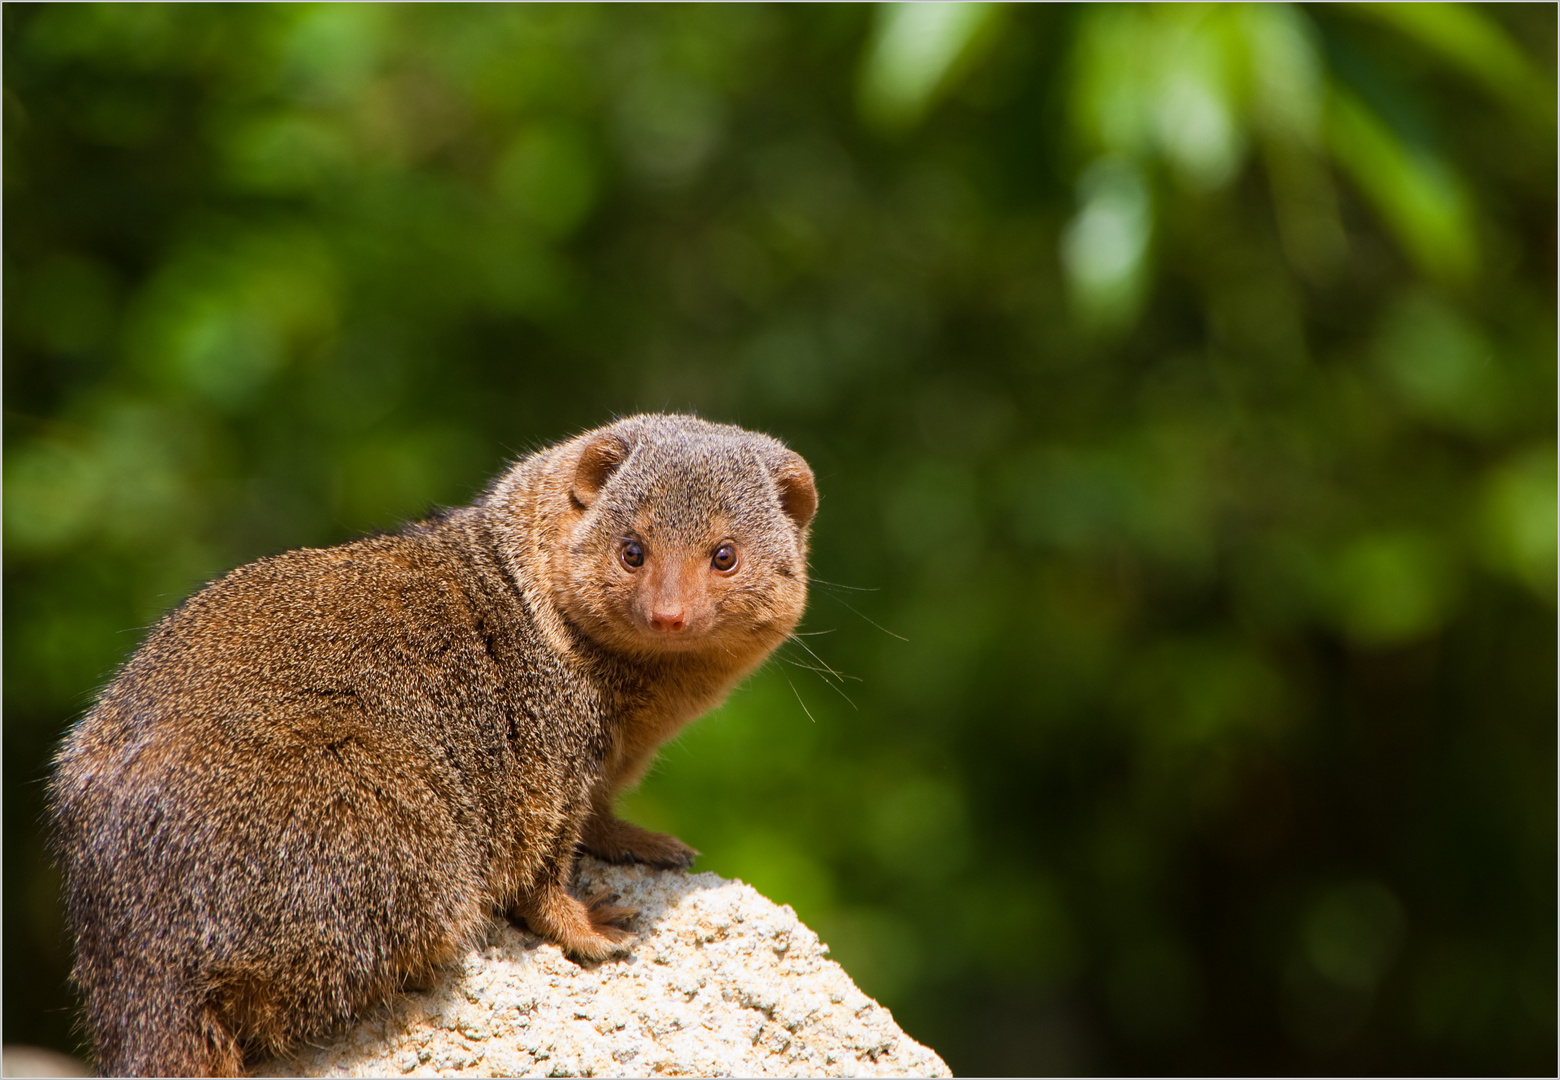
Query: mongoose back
(321, 776)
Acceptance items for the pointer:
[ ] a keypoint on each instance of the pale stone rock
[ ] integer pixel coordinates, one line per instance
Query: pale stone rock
(721, 982)
(19, 1060)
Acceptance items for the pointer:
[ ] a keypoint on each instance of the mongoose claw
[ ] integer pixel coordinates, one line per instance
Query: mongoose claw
(605, 911)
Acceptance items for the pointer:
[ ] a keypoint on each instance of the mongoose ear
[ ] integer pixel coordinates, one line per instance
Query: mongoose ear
(598, 461)
(798, 493)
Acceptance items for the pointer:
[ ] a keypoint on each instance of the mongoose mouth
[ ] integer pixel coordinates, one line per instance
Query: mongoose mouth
(664, 636)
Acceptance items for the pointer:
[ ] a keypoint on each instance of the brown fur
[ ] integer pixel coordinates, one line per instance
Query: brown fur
(320, 776)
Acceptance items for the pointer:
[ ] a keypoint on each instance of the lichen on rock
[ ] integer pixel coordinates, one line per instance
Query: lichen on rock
(722, 982)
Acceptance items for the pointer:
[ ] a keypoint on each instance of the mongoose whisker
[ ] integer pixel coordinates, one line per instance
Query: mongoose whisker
(851, 609)
(837, 585)
(815, 656)
(826, 682)
(800, 702)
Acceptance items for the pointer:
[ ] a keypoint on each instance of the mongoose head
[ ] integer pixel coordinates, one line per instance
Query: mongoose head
(679, 535)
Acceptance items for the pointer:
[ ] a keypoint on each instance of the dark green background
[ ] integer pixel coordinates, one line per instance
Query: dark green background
(1180, 385)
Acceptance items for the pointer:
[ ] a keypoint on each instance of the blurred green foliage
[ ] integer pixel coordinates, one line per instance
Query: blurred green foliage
(1180, 383)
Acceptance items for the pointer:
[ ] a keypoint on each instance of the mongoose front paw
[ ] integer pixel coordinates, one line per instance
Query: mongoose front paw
(600, 943)
(584, 932)
(606, 919)
(618, 841)
(667, 852)
(609, 917)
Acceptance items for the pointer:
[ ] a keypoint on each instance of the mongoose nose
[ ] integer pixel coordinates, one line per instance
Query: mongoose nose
(669, 622)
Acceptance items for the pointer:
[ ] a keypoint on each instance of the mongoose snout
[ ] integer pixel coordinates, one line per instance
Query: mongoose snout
(321, 776)
(676, 593)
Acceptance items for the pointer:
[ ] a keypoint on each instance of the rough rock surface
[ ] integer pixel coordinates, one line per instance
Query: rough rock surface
(721, 983)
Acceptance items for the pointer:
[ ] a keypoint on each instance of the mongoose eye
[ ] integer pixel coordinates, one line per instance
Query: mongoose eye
(725, 559)
(631, 555)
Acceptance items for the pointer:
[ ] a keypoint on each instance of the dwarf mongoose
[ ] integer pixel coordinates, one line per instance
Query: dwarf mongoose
(320, 776)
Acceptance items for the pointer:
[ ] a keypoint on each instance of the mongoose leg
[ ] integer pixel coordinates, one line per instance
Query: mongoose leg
(617, 841)
(587, 933)
(609, 837)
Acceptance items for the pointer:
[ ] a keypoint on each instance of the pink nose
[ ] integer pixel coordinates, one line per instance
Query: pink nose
(669, 622)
